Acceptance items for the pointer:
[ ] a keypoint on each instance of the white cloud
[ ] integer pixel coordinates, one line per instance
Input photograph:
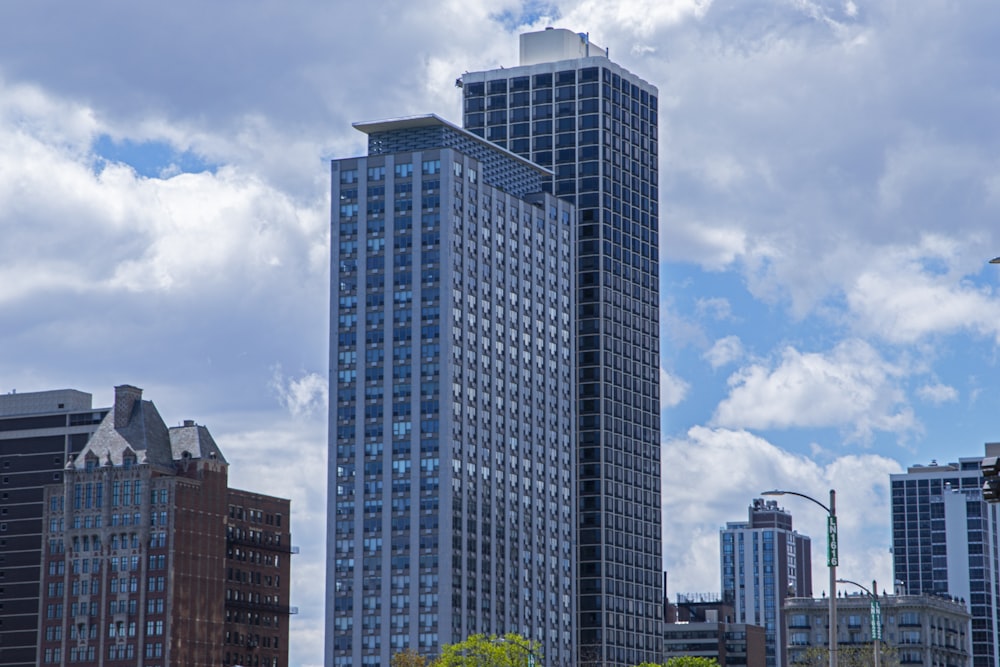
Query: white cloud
(937, 393)
(914, 292)
(673, 389)
(852, 388)
(638, 18)
(715, 307)
(303, 396)
(724, 351)
(69, 228)
(711, 476)
(714, 243)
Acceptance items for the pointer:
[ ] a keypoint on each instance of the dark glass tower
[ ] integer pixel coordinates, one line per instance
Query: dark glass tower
(569, 108)
(39, 432)
(945, 542)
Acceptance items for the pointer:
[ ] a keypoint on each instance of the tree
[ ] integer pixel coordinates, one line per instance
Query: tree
(408, 658)
(511, 650)
(691, 661)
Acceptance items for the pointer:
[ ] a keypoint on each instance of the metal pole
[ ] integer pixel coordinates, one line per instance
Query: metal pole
(832, 562)
(879, 633)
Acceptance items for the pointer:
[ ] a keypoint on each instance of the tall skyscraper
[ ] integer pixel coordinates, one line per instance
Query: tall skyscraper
(149, 558)
(944, 541)
(763, 562)
(452, 411)
(39, 432)
(569, 108)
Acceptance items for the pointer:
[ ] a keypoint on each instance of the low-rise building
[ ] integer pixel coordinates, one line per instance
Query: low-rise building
(928, 630)
(704, 626)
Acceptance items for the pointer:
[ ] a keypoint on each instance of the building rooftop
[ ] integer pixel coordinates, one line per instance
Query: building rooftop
(555, 44)
(376, 129)
(40, 402)
(133, 427)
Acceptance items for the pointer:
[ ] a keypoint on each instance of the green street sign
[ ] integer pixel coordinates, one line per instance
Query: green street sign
(876, 618)
(831, 541)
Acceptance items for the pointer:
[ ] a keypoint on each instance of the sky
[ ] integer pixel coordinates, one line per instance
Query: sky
(830, 191)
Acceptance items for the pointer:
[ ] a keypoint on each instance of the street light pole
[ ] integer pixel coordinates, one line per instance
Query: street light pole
(832, 558)
(876, 614)
(832, 561)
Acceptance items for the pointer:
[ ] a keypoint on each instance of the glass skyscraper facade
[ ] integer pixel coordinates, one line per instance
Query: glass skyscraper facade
(569, 108)
(763, 562)
(452, 406)
(944, 541)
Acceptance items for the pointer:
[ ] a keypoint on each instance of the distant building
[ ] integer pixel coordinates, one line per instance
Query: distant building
(764, 561)
(944, 541)
(703, 627)
(137, 568)
(39, 432)
(926, 630)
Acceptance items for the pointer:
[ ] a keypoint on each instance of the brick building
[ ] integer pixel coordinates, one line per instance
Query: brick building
(138, 549)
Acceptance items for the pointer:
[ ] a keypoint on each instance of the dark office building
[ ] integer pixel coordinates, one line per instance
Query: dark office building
(569, 108)
(944, 542)
(39, 432)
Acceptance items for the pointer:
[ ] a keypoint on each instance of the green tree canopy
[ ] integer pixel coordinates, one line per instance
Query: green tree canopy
(510, 650)
(691, 661)
(408, 658)
(684, 661)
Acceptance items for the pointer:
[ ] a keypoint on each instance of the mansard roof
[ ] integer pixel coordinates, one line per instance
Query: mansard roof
(133, 429)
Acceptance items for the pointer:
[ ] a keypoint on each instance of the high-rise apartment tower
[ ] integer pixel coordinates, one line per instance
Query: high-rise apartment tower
(452, 399)
(764, 562)
(571, 109)
(944, 541)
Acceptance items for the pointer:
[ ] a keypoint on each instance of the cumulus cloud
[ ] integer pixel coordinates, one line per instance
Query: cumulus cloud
(914, 292)
(937, 393)
(108, 228)
(852, 388)
(724, 351)
(715, 307)
(724, 470)
(673, 389)
(302, 396)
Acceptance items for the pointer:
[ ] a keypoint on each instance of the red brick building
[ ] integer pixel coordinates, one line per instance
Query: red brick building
(257, 579)
(137, 551)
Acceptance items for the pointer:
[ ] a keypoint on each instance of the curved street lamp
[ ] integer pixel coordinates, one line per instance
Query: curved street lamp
(831, 555)
(876, 611)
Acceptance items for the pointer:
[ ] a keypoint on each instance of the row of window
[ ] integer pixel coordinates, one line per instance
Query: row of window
(402, 170)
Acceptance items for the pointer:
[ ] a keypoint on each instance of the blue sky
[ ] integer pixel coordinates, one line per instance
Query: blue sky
(830, 192)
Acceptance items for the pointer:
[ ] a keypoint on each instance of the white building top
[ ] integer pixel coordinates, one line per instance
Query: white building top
(555, 44)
